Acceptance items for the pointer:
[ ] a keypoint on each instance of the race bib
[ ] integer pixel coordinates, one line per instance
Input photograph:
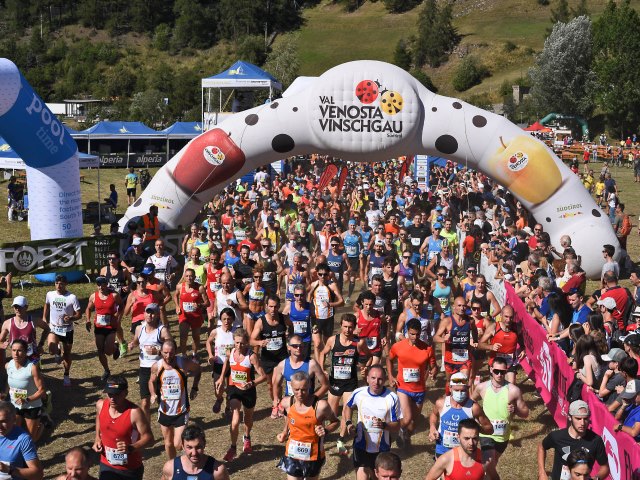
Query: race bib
(103, 320)
(239, 377)
(60, 330)
(300, 328)
(150, 352)
(351, 250)
(372, 342)
(18, 394)
(299, 450)
(460, 354)
(30, 350)
(291, 288)
(368, 425)
(160, 275)
(450, 439)
(376, 271)
(342, 372)
(274, 344)
(565, 474)
(267, 276)
(114, 457)
(189, 307)
(415, 241)
(394, 304)
(499, 427)
(257, 295)
(288, 391)
(215, 286)
(411, 375)
(171, 392)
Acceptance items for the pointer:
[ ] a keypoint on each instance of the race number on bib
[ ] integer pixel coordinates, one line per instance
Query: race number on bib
(239, 377)
(351, 250)
(171, 392)
(274, 344)
(450, 439)
(299, 450)
(372, 342)
(114, 457)
(215, 286)
(103, 320)
(150, 352)
(189, 307)
(499, 427)
(60, 330)
(411, 375)
(460, 354)
(341, 372)
(18, 394)
(415, 241)
(300, 328)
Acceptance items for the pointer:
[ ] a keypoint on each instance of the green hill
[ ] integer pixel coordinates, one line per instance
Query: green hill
(503, 34)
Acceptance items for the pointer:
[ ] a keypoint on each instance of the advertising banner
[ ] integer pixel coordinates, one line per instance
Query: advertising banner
(546, 364)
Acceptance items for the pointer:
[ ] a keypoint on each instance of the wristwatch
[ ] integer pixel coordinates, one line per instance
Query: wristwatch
(618, 427)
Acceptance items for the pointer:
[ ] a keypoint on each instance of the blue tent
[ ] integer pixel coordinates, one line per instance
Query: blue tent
(437, 161)
(121, 130)
(183, 130)
(9, 158)
(242, 75)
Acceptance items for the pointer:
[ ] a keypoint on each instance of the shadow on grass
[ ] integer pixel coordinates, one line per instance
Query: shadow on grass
(261, 453)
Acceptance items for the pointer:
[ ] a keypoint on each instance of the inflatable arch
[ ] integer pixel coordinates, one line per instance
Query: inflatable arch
(50, 155)
(369, 111)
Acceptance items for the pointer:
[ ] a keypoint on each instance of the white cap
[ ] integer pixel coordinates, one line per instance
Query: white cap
(458, 378)
(136, 241)
(20, 301)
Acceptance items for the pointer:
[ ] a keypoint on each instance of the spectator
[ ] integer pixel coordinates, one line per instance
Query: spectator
(620, 295)
(610, 265)
(629, 411)
(612, 378)
(587, 362)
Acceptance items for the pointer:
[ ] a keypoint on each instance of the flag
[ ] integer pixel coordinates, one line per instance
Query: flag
(343, 178)
(329, 172)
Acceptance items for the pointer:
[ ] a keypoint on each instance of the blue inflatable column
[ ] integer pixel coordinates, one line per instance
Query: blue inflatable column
(51, 156)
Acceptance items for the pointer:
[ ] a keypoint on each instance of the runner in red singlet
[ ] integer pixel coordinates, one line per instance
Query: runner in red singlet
(191, 302)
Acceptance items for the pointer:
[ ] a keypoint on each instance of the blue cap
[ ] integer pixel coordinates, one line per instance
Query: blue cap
(439, 208)
(437, 225)
(352, 221)
(148, 269)
(233, 241)
(440, 218)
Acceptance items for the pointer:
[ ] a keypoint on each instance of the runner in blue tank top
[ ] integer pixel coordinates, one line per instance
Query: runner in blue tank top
(353, 247)
(194, 464)
(300, 316)
(337, 259)
(365, 234)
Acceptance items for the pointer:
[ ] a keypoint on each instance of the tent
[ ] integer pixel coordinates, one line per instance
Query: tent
(120, 130)
(239, 77)
(537, 127)
(183, 130)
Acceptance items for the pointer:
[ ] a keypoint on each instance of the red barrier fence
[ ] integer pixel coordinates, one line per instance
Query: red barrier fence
(546, 364)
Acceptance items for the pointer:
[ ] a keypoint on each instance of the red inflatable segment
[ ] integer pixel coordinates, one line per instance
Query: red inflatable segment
(209, 160)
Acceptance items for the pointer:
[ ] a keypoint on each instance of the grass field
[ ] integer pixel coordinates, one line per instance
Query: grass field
(74, 408)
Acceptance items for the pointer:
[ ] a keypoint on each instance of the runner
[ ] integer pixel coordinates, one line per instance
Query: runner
(109, 308)
(18, 456)
(219, 345)
(256, 296)
(191, 302)
(194, 464)
(272, 266)
(296, 362)
(122, 432)
(76, 464)
(270, 334)
(242, 270)
(378, 415)
(168, 386)
(214, 269)
(324, 297)
(165, 265)
(22, 326)
(450, 410)
(457, 334)
(371, 326)
(388, 466)
(463, 462)
(575, 436)
(304, 430)
(118, 277)
(353, 247)
(500, 400)
(61, 309)
(413, 357)
(241, 365)
(338, 262)
(139, 300)
(502, 341)
(149, 337)
(300, 316)
(346, 349)
(230, 297)
(490, 306)
(417, 308)
(298, 275)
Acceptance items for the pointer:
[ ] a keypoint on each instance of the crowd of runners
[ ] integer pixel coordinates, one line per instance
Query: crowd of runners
(359, 296)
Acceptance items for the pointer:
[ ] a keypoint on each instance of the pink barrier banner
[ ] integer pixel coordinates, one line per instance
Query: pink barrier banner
(546, 364)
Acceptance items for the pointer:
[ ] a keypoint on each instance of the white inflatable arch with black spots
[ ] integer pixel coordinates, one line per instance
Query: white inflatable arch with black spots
(369, 111)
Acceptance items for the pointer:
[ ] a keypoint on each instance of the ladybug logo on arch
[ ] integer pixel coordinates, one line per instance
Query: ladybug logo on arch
(368, 91)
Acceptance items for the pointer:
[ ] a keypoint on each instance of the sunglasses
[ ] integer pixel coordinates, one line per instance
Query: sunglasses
(476, 308)
(295, 345)
(458, 381)
(499, 372)
(406, 258)
(442, 274)
(257, 276)
(298, 295)
(113, 258)
(264, 246)
(322, 274)
(335, 244)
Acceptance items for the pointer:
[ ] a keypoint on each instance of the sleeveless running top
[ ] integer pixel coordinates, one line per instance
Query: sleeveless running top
(241, 372)
(457, 348)
(303, 443)
(205, 474)
(150, 345)
(172, 383)
(370, 330)
(495, 406)
(230, 261)
(256, 294)
(106, 310)
(288, 371)
(443, 294)
(122, 429)
(450, 417)
(344, 362)
(213, 280)
(223, 345)
(352, 245)
(508, 345)
(321, 295)
(293, 279)
(276, 336)
(190, 304)
(26, 333)
(139, 305)
(484, 302)
(460, 472)
(301, 320)
(336, 265)
(116, 282)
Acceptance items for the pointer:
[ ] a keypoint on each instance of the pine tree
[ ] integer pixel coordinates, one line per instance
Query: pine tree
(402, 56)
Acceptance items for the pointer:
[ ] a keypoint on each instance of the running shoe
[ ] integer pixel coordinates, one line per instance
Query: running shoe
(123, 349)
(66, 381)
(217, 405)
(246, 445)
(400, 441)
(116, 351)
(347, 301)
(231, 454)
(342, 450)
(58, 358)
(47, 403)
(105, 375)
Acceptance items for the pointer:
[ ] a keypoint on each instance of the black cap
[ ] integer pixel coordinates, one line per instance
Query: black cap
(116, 384)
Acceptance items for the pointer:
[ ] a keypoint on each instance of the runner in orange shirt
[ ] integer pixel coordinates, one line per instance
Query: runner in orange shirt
(413, 357)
